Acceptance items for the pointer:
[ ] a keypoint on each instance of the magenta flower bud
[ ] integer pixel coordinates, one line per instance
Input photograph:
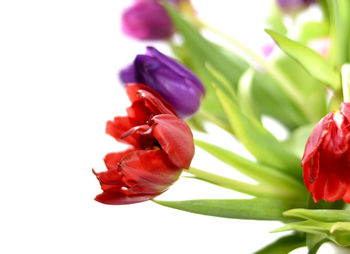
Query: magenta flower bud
(147, 20)
(292, 6)
(173, 81)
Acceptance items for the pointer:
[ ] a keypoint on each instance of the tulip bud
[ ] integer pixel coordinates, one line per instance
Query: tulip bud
(293, 6)
(147, 20)
(173, 81)
(161, 145)
(326, 160)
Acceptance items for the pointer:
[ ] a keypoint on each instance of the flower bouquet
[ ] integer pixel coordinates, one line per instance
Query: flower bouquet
(301, 180)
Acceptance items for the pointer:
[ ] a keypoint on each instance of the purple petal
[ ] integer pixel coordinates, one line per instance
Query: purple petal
(294, 5)
(181, 92)
(147, 20)
(176, 67)
(127, 75)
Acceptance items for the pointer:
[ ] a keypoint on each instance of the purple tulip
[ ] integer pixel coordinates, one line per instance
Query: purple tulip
(147, 20)
(177, 84)
(291, 6)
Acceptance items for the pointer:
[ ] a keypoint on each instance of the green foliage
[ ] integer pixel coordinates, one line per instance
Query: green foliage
(261, 173)
(315, 64)
(297, 139)
(320, 215)
(333, 225)
(340, 30)
(252, 209)
(261, 143)
(197, 53)
(284, 245)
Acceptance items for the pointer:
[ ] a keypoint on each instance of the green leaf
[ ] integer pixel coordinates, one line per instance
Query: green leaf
(311, 91)
(270, 99)
(338, 232)
(211, 109)
(262, 174)
(251, 209)
(314, 242)
(308, 226)
(261, 143)
(340, 30)
(320, 214)
(245, 96)
(315, 64)
(284, 245)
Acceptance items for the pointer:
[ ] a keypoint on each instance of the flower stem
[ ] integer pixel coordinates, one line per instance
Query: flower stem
(257, 190)
(215, 120)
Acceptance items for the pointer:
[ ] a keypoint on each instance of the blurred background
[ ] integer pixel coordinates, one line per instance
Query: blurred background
(58, 86)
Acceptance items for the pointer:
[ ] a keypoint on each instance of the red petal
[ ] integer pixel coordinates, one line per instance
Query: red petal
(317, 136)
(112, 160)
(175, 138)
(148, 171)
(334, 188)
(346, 196)
(153, 100)
(118, 126)
(345, 110)
(119, 198)
(139, 111)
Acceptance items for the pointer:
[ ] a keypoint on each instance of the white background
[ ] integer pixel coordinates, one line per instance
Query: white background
(58, 87)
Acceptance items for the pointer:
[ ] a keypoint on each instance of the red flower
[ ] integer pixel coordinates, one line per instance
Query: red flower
(326, 160)
(161, 146)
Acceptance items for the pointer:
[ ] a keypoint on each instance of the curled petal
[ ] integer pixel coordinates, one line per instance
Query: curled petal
(139, 112)
(112, 160)
(135, 177)
(334, 188)
(148, 171)
(143, 133)
(109, 180)
(175, 138)
(151, 99)
(317, 136)
(119, 126)
(119, 198)
(345, 110)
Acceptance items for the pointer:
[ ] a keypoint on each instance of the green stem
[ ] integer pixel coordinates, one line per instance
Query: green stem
(214, 120)
(250, 189)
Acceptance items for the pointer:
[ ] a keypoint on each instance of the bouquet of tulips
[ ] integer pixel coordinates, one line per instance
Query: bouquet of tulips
(302, 180)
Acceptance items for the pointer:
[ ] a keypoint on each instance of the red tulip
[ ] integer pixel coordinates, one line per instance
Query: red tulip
(326, 160)
(161, 146)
